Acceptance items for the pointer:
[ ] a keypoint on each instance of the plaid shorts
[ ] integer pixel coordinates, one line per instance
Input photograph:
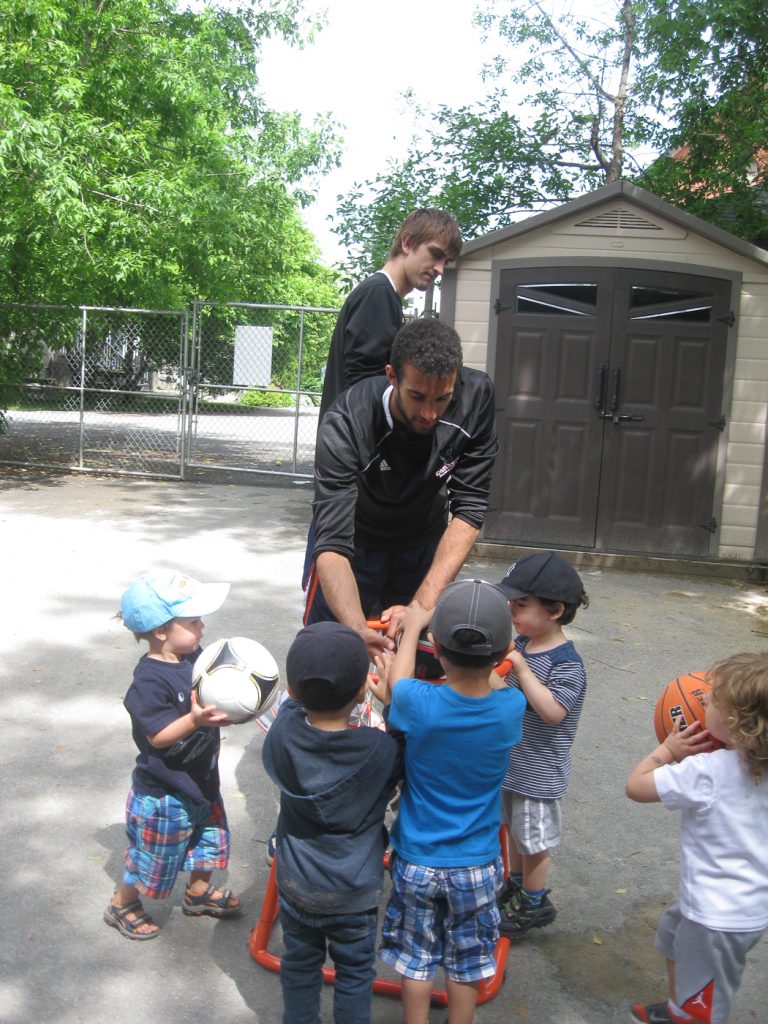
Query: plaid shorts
(170, 834)
(442, 916)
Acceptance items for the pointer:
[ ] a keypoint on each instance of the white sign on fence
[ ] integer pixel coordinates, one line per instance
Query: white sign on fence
(253, 356)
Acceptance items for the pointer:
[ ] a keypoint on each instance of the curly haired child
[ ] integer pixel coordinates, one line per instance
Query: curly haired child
(722, 796)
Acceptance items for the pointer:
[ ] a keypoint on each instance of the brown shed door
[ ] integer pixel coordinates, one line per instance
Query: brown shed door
(609, 386)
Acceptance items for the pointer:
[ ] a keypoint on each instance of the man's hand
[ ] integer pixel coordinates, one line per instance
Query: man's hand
(391, 618)
(376, 642)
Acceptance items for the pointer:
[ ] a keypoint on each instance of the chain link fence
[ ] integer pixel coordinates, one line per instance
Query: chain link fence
(154, 392)
(257, 372)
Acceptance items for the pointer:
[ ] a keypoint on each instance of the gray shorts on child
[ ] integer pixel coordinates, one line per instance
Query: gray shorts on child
(534, 825)
(708, 964)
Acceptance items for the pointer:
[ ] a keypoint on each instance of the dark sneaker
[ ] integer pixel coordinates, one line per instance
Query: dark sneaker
(518, 917)
(652, 1013)
(510, 887)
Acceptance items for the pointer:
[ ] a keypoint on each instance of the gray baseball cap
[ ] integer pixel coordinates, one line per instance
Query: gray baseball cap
(472, 604)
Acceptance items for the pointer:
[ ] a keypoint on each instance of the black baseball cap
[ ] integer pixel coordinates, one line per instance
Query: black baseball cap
(326, 665)
(544, 574)
(472, 604)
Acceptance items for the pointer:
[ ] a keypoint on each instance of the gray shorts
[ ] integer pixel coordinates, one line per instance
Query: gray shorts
(534, 825)
(708, 964)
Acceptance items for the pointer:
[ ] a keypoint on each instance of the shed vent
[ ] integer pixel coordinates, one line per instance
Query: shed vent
(618, 220)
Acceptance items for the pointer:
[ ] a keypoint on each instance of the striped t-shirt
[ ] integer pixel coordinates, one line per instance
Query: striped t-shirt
(540, 764)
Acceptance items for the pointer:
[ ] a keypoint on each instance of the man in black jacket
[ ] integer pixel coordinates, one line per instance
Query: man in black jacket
(395, 455)
(373, 312)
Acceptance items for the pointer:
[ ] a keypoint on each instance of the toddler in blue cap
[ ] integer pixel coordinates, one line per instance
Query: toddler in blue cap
(175, 816)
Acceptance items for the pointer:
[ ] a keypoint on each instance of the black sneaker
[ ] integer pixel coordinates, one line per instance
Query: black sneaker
(518, 917)
(510, 888)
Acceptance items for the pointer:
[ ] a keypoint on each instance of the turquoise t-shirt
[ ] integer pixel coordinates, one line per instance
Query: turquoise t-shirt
(456, 754)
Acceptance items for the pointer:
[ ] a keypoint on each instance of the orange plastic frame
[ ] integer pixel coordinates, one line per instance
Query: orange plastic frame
(260, 934)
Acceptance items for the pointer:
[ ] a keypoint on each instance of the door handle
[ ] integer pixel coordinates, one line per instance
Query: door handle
(602, 377)
(615, 378)
(610, 412)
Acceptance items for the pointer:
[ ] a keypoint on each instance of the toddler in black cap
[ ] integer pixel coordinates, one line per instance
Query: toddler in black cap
(544, 593)
(335, 783)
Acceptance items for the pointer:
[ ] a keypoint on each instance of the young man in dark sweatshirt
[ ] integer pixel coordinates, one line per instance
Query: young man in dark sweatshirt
(334, 783)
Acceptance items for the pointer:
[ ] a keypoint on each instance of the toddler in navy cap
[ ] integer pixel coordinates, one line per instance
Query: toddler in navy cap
(175, 816)
(544, 593)
(335, 783)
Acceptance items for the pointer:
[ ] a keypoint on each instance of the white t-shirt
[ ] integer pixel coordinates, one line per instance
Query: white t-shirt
(723, 839)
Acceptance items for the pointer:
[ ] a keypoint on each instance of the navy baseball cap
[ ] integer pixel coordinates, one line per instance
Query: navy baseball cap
(326, 661)
(154, 600)
(544, 574)
(477, 605)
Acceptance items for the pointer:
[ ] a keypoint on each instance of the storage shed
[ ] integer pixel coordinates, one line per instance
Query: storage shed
(628, 342)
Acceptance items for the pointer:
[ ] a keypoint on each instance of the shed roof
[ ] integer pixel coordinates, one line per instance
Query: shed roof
(619, 190)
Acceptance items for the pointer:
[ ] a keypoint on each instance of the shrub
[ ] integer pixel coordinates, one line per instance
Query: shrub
(266, 398)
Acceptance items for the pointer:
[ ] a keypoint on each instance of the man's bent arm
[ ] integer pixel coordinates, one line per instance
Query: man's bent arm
(452, 551)
(343, 597)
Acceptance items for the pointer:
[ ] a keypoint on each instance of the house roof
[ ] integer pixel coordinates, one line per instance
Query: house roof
(619, 190)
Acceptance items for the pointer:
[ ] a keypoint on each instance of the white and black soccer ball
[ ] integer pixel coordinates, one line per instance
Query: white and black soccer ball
(239, 676)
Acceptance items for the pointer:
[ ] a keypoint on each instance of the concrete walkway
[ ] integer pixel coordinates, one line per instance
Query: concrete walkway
(71, 544)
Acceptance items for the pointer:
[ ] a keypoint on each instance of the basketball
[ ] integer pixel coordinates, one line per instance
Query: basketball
(682, 701)
(239, 676)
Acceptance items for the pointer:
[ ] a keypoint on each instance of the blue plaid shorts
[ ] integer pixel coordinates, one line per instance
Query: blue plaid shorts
(170, 834)
(442, 916)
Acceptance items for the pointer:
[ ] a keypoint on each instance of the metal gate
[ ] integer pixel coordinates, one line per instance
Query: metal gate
(109, 392)
(255, 383)
(236, 386)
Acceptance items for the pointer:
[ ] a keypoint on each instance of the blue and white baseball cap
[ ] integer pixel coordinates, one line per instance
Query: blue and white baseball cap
(154, 600)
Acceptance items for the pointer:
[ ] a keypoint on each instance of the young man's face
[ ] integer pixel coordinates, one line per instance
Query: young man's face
(418, 401)
(423, 263)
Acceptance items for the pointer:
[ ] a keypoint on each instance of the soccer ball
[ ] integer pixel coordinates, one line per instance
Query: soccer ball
(239, 676)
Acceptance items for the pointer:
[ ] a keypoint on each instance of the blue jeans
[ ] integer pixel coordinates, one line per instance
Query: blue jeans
(351, 941)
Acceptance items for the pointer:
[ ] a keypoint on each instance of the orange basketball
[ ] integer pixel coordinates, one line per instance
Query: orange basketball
(682, 699)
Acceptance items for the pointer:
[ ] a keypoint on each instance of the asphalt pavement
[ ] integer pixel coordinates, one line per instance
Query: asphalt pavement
(70, 546)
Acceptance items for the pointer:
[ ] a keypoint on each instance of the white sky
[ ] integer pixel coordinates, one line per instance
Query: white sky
(361, 64)
(358, 69)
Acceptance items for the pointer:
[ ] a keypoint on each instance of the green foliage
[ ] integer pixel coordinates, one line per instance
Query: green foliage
(138, 163)
(710, 73)
(266, 399)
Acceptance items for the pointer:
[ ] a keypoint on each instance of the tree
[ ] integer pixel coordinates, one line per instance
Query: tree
(139, 165)
(579, 103)
(138, 162)
(710, 73)
(559, 120)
